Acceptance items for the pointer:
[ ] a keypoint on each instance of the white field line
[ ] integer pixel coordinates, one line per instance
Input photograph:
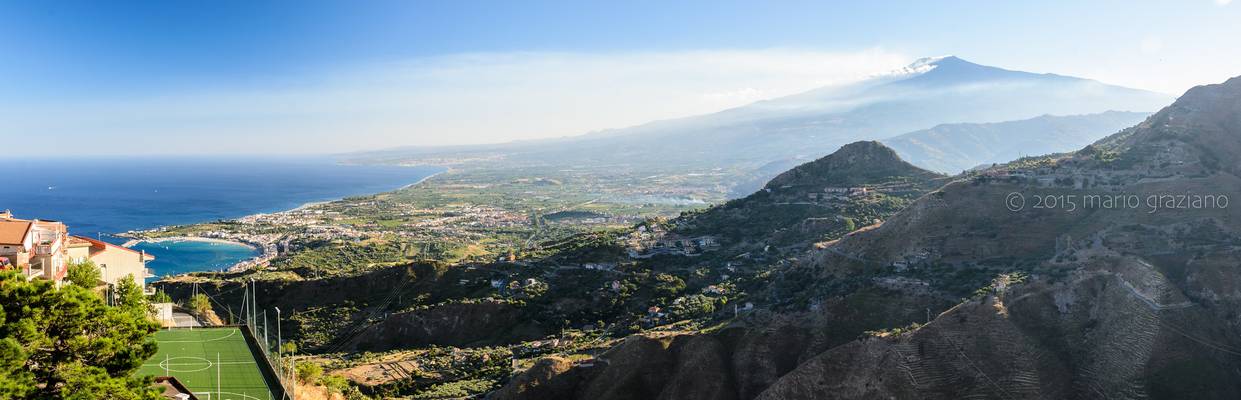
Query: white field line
(229, 335)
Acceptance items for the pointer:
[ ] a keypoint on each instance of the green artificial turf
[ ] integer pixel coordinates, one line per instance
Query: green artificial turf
(197, 357)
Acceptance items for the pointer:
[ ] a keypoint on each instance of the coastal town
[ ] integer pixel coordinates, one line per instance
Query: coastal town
(455, 217)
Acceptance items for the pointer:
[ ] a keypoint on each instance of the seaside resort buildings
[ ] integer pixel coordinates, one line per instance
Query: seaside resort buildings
(44, 249)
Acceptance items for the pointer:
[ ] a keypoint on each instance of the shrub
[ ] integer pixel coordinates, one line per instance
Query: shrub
(309, 372)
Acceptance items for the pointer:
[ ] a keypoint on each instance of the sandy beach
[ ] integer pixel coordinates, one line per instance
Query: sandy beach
(133, 242)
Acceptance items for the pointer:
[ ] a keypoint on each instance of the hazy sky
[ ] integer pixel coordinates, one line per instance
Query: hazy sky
(170, 77)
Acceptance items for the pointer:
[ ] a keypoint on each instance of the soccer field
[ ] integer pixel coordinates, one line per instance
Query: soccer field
(197, 357)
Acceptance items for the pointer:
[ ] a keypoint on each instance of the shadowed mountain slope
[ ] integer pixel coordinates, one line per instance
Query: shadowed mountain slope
(1079, 292)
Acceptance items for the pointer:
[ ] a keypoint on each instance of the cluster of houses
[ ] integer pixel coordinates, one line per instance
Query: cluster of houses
(42, 249)
(839, 193)
(649, 242)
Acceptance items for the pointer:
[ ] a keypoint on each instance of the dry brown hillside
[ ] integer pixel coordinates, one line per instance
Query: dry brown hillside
(1111, 272)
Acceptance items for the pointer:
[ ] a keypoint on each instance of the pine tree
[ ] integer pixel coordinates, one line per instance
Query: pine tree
(68, 344)
(129, 296)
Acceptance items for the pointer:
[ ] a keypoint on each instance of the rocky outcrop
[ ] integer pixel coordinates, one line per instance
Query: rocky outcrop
(737, 362)
(548, 378)
(1098, 335)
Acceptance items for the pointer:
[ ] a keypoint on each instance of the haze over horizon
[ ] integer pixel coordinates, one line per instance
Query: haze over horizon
(329, 78)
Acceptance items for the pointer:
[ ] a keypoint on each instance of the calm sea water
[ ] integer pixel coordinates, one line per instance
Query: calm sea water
(172, 258)
(97, 197)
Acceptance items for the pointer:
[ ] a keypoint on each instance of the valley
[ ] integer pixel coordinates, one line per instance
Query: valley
(566, 278)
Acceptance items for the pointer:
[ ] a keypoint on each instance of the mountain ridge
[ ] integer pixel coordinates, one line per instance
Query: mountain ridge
(1021, 301)
(857, 163)
(952, 148)
(855, 185)
(809, 124)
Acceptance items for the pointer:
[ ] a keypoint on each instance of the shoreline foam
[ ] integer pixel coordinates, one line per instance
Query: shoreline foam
(175, 239)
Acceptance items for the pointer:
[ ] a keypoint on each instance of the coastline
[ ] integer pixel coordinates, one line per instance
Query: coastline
(174, 239)
(322, 202)
(266, 249)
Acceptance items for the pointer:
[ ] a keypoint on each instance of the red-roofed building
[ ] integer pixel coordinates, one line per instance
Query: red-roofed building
(44, 249)
(39, 249)
(114, 262)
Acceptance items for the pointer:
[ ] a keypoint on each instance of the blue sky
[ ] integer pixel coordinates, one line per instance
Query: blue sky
(324, 76)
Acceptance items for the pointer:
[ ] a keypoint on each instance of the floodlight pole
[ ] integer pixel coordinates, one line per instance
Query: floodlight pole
(253, 300)
(279, 342)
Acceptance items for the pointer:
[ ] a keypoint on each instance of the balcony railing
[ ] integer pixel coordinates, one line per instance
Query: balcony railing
(43, 250)
(33, 273)
(46, 237)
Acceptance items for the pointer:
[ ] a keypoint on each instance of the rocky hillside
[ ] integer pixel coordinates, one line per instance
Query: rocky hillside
(1104, 273)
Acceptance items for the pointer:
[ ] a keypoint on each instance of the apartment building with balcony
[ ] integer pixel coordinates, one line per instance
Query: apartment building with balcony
(39, 249)
(44, 249)
(114, 262)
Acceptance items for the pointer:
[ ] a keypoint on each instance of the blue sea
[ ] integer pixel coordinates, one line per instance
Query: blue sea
(101, 196)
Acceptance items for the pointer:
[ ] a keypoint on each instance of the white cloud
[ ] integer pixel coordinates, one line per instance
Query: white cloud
(465, 98)
(1151, 44)
(1223, 2)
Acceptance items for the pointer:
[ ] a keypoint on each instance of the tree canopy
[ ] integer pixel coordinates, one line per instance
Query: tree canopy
(199, 304)
(129, 296)
(67, 344)
(84, 273)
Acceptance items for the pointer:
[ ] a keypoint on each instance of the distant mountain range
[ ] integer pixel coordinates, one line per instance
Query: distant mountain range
(952, 148)
(928, 93)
